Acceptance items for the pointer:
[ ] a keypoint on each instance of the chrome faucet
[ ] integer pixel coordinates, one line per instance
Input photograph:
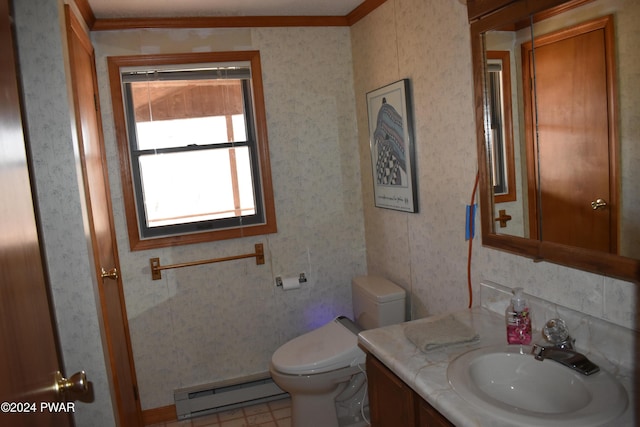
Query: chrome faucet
(561, 349)
(570, 358)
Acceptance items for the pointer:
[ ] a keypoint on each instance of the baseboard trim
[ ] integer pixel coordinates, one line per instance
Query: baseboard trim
(159, 415)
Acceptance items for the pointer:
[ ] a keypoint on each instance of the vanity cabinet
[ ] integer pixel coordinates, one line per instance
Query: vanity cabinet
(428, 416)
(392, 403)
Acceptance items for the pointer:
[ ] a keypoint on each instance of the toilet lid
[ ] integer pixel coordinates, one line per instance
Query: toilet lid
(327, 348)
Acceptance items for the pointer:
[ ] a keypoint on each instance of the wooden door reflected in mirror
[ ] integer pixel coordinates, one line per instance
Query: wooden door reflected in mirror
(572, 144)
(573, 64)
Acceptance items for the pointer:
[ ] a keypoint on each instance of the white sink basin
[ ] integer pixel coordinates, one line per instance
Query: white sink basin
(510, 383)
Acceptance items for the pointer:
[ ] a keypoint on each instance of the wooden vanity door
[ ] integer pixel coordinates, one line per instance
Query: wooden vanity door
(391, 402)
(429, 417)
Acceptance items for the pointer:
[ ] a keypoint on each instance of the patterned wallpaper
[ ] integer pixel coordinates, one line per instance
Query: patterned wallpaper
(222, 321)
(428, 42)
(56, 176)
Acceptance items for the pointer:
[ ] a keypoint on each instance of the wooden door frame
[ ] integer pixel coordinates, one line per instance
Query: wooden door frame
(74, 28)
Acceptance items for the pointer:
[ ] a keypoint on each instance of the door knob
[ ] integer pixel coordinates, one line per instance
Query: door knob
(111, 274)
(76, 384)
(598, 204)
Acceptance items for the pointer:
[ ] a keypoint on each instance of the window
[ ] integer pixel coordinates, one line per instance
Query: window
(193, 147)
(501, 136)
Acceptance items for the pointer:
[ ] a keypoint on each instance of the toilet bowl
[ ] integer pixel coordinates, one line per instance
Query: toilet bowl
(324, 370)
(315, 368)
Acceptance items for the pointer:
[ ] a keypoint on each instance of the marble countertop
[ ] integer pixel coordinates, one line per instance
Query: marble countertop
(426, 372)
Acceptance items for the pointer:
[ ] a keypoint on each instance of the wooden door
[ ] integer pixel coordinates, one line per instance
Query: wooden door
(574, 151)
(391, 401)
(29, 356)
(93, 159)
(429, 417)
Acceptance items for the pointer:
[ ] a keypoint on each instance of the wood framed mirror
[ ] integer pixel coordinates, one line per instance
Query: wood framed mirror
(560, 103)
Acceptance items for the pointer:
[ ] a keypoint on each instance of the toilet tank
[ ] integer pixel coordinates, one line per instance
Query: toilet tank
(377, 302)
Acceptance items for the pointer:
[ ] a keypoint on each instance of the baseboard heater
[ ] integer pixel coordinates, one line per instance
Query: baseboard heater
(225, 395)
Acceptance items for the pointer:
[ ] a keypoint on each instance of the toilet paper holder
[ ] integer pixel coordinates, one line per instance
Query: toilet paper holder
(301, 279)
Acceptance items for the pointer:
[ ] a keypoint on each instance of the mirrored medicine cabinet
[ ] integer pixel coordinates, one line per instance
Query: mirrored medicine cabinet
(557, 105)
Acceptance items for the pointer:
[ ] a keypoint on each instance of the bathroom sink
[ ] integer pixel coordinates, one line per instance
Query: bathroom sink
(510, 383)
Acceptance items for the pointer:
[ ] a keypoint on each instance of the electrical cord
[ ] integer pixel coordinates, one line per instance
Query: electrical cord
(364, 396)
(471, 235)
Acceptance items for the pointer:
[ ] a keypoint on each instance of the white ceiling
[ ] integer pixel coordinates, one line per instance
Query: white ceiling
(103, 9)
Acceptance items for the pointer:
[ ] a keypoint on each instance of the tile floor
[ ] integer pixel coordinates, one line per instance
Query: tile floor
(271, 414)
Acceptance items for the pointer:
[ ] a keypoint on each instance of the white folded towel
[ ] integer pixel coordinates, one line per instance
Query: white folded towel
(439, 333)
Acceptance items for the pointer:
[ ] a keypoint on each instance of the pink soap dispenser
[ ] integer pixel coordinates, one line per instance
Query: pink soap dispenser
(518, 319)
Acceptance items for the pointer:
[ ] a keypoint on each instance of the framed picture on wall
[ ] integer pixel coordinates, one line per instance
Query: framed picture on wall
(391, 143)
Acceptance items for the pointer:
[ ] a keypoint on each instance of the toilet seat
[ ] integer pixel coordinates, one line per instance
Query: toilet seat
(325, 349)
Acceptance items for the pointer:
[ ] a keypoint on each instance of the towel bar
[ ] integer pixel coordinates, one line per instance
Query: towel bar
(156, 268)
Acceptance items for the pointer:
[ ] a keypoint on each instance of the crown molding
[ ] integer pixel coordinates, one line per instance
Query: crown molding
(363, 10)
(97, 24)
(87, 13)
(219, 22)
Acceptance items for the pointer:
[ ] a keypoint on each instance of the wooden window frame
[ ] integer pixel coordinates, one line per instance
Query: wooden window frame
(136, 241)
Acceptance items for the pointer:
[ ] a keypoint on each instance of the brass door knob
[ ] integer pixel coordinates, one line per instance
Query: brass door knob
(598, 204)
(76, 384)
(111, 274)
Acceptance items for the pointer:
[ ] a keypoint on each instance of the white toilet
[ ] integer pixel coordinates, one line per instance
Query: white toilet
(324, 370)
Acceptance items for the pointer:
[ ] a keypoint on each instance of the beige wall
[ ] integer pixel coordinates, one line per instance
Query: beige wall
(222, 321)
(58, 186)
(428, 42)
